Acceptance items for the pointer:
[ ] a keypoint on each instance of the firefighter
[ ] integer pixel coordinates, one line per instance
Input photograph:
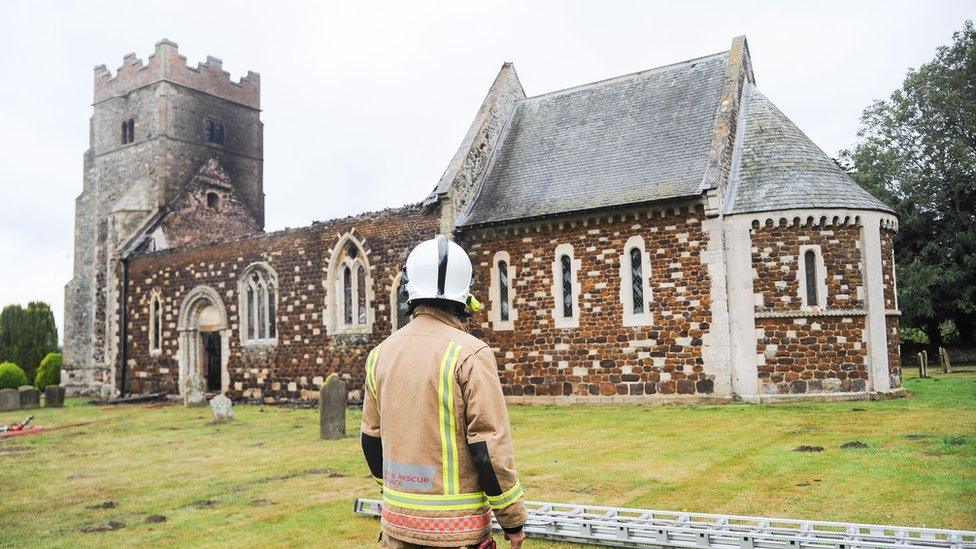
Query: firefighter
(435, 429)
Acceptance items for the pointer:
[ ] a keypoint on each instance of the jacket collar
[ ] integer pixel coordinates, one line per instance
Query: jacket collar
(438, 315)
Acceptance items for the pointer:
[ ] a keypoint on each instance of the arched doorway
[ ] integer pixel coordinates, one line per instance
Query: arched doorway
(204, 340)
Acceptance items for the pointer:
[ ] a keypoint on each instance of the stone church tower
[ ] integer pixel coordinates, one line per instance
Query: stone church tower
(156, 127)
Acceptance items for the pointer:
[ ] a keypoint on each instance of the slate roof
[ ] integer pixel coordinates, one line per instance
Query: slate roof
(637, 138)
(780, 168)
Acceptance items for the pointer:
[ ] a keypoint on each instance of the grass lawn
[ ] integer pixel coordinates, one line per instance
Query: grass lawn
(266, 479)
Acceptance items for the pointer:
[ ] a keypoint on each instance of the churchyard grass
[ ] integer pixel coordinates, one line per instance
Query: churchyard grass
(266, 479)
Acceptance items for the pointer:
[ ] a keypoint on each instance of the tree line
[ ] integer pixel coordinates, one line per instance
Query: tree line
(917, 151)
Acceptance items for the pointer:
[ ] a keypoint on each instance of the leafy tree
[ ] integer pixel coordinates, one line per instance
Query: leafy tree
(27, 335)
(917, 150)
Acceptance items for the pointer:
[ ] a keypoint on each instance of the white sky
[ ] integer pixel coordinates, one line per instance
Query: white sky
(365, 102)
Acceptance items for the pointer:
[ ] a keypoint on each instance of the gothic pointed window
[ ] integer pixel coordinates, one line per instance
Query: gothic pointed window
(635, 288)
(565, 288)
(258, 304)
(503, 303)
(811, 277)
(348, 296)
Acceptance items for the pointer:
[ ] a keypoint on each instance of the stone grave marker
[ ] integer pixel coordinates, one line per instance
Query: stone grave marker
(332, 408)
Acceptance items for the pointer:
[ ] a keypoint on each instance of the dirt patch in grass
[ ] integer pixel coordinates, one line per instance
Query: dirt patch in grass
(806, 448)
(104, 505)
(111, 526)
(854, 444)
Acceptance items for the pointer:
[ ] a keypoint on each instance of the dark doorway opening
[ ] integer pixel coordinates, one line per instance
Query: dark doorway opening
(211, 367)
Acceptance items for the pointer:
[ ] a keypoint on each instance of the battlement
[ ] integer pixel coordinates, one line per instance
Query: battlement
(167, 64)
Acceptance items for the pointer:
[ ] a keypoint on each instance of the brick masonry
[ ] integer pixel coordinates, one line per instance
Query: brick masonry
(601, 356)
(295, 367)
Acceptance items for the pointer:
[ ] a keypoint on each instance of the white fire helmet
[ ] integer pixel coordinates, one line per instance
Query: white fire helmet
(439, 269)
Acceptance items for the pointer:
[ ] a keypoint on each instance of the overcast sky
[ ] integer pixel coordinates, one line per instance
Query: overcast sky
(364, 103)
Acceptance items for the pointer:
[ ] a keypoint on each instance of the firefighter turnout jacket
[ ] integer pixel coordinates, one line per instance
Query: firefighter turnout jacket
(436, 436)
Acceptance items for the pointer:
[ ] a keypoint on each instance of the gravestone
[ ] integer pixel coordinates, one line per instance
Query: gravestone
(222, 408)
(30, 397)
(332, 408)
(54, 396)
(9, 400)
(195, 393)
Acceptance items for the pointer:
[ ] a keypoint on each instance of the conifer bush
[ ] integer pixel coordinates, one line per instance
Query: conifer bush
(49, 372)
(11, 376)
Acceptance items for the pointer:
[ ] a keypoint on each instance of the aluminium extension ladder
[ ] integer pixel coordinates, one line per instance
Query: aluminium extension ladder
(622, 527)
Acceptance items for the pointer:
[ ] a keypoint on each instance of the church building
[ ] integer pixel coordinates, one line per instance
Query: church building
(663, 236)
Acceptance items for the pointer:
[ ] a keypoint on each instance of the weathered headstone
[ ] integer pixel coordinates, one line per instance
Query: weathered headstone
(222, 408)
(30, 397)
(944, 356)
(9, 400)
(54, 396)
(332, 408)
(195, 394)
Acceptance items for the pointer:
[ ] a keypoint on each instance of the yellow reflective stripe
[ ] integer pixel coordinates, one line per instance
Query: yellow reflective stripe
(435, 502)
(445, 394)
(371, 370)
(507, 498)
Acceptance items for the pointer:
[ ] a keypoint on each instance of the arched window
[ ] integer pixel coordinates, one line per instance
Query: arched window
(502, 293)
(400, 310)
(503, 303)
(810, 265)
(155, 323)
(258, 308)
(565, 288)
(566, 274)
(348, 296)
(811, 277)
(636, 281)
(635, 286)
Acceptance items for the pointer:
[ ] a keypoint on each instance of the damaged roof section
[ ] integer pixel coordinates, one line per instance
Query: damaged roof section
(782, 169)
(637, 138)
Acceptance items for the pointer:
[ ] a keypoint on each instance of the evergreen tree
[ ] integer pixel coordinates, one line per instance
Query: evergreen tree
(27, 335)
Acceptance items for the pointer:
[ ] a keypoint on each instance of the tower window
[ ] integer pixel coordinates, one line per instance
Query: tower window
(212, 200)
(128, 131)
(811, 277)
(215, 132)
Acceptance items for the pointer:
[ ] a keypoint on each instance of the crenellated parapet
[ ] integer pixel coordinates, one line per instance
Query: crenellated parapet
(166, 64)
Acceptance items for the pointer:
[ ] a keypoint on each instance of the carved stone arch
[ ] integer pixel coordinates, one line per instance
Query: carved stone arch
(339, 258)
(395, 321)
(201, 311)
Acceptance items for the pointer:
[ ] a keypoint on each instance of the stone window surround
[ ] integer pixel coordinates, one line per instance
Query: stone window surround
(626, 284)
(494, 292)
(155, 300)
(242, 282)
(557, 288)
(335, 291)
(820, 276)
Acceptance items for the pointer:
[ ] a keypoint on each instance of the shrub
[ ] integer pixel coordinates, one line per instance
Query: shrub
(49, 372)
(11, 376)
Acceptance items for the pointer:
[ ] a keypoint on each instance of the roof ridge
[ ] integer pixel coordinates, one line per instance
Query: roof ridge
(621, 78)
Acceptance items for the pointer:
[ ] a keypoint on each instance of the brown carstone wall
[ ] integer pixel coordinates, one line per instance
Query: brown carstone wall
(888, 268)
(304, 354)
(812, 354)
(775, 253)
(894, 351)
(601, 356)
